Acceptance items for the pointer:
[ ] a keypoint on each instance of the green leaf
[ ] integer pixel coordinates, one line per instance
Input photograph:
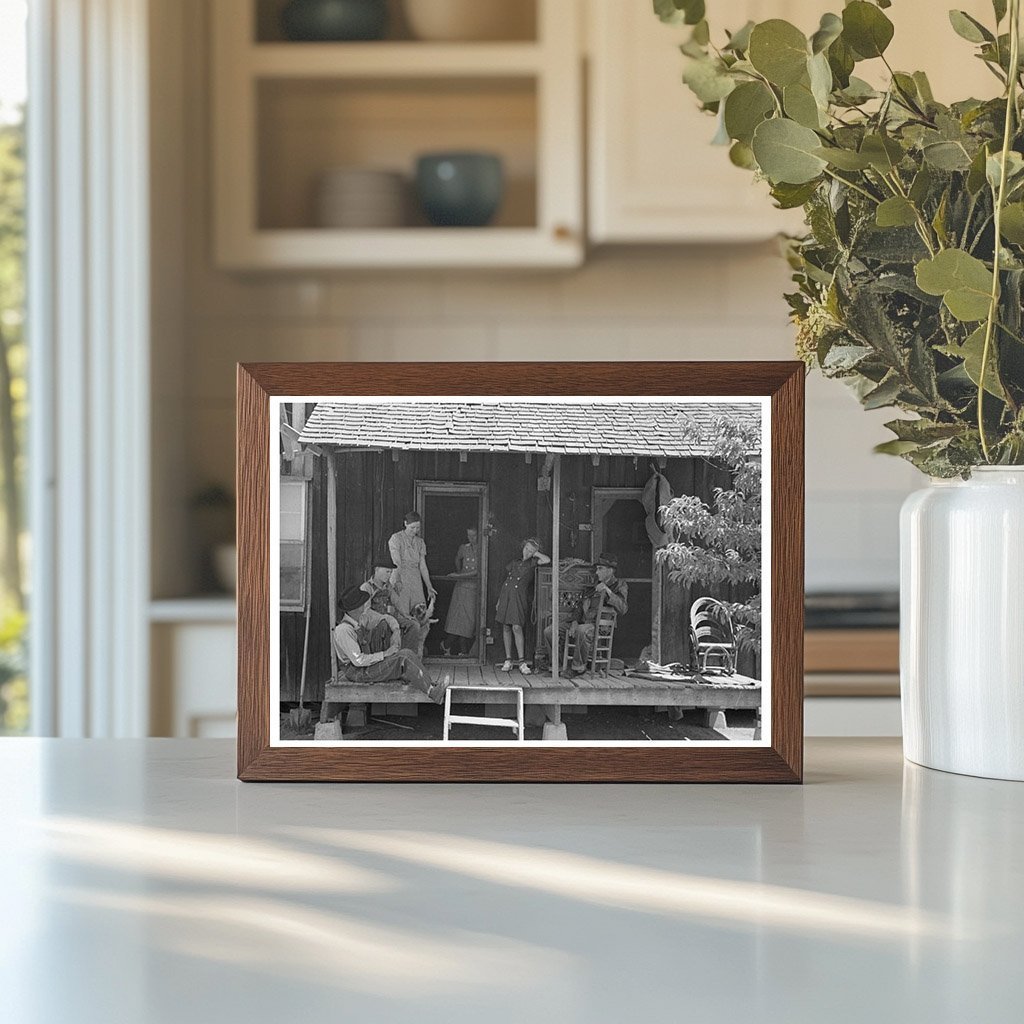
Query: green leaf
(921, 185)
(800, 105)
(844, 159)
(701, 33)
(946, 156)
(841, 60)
(676, 12)
(858, 91)
(742, 155)
(707, 80)
(924, 88)
(923, 431)
(745, 108)
(976, 174)
(866, 29)
(968, 28)
(1014, 169)
(739, 41)
(885, 394)
(789, 197)
(895, 447)
(778, 50)
(999, 7)
(785, 152)
(1011, 226)
(971, 352)
(963, 281)
(820, 76)
(883, 153)
(829, 30)
(896, 212)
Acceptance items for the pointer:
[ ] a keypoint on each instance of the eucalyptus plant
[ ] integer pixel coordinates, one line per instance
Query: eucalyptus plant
(909, 280)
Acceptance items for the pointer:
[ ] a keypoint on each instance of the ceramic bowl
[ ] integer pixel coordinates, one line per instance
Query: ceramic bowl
(334, 20)
(460, 189)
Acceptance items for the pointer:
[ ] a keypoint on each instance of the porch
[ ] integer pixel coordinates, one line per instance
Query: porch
(719, 693)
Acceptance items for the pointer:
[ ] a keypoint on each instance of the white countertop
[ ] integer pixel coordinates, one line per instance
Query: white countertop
(142, 884)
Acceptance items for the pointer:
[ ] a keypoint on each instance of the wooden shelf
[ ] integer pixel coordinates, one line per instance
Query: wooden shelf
(393, 60)
(401, 247)
(852, 650)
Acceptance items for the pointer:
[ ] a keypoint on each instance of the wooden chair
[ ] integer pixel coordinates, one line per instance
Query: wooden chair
(712, 636)
(604, 637)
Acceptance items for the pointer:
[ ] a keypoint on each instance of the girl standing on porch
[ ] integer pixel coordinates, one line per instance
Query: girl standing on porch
(513, 609)
(411, 580)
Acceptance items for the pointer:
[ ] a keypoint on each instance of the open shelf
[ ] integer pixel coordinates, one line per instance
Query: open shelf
(308, 127)
(285, 114)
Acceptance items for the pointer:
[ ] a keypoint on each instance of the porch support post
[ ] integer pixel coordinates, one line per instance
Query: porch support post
(556, 516)
(332, 555)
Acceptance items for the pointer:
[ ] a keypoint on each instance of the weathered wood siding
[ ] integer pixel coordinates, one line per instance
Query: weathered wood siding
(376, 489)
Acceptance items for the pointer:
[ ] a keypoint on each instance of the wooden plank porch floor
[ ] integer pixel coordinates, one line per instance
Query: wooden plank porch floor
(729, 692)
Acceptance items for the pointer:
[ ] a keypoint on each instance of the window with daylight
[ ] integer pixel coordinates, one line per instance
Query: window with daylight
(14, 550)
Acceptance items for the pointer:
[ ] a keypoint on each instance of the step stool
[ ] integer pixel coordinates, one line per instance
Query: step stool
(506, 723)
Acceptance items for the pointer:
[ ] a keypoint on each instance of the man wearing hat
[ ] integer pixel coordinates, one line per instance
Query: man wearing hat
(362, 665)
(381, 588)
(615, 593)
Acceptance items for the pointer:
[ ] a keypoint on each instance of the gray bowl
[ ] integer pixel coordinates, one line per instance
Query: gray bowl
(460, 189)
(334, 20)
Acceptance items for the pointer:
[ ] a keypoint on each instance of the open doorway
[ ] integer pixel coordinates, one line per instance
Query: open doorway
(453, 528)
(619, 528)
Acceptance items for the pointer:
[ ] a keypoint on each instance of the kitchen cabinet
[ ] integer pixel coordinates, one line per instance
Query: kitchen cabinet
(653, 175)
(286, 113)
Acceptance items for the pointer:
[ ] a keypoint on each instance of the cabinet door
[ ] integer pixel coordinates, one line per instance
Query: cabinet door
(653, 174)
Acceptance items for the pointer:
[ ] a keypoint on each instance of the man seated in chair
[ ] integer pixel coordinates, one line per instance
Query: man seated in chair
(584, 628)
(381, 588)
(354, 640)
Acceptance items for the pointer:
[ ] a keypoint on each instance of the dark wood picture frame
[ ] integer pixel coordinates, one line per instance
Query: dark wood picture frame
(781, 761)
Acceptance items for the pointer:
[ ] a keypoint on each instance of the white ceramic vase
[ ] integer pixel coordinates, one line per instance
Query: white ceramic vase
(962, 624)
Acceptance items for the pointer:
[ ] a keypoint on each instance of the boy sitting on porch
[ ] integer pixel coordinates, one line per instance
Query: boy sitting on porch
(616, 596)
(353, 642)
(382, 588)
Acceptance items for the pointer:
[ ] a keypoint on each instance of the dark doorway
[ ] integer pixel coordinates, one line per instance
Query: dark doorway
(619, 528)
(449, 511)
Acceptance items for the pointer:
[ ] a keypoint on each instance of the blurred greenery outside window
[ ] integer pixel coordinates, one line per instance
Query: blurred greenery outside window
(14, 703)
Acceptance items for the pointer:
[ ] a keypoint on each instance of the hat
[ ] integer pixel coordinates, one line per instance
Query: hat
(383, 559)
(353, 598)
(609, 560)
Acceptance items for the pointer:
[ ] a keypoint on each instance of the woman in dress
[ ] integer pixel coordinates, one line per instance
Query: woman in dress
(411, 580)
(460, 625)
(513, 609)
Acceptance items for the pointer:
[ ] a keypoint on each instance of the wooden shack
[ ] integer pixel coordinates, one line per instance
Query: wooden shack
(572, 474)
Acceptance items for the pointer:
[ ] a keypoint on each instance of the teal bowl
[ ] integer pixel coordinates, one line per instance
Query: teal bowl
(334, 21)
(460, 190)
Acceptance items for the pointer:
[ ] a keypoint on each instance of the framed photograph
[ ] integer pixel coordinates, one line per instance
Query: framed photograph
(552, 572)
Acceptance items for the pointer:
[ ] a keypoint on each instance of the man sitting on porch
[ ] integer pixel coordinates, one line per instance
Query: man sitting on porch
(360, 664)
(616, 596)
(381, 588)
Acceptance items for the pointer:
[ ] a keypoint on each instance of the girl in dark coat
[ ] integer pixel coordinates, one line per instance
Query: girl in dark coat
(513, 608)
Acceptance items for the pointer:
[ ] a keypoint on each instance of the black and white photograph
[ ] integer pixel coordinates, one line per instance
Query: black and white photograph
(510, 570)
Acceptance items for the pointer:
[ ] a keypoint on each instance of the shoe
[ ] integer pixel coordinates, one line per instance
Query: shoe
(437, 691)
(505, 666)
(525, 669)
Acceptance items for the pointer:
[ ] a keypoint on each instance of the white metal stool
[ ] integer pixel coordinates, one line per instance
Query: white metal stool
(505, 723)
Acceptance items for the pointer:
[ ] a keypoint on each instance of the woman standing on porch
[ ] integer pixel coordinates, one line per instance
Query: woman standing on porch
(513, 610)
(462, 612)
(411, 578)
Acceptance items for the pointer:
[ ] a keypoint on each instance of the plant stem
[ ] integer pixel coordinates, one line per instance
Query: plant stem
(993, 308)
(855, 187)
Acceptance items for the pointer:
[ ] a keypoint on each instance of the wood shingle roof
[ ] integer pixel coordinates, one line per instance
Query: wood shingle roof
(670, 429)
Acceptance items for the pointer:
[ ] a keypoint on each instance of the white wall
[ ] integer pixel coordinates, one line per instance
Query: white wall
(655, 303)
